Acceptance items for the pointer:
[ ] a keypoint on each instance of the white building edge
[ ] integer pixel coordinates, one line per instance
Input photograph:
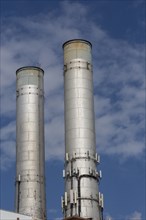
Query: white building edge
(8, 215)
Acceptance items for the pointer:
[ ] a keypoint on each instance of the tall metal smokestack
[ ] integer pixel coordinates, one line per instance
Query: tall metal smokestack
(82, 197)
(30, 169)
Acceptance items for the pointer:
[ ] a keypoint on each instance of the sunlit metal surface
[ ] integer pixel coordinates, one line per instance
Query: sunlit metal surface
(30, 176)
(82, 197)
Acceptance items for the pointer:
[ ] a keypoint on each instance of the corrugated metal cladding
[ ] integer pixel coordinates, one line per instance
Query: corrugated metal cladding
(30, 173)
(82, 197)
(6, 215)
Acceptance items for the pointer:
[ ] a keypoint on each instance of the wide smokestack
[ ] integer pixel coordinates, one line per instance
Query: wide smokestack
(82, 197)
(30, 169)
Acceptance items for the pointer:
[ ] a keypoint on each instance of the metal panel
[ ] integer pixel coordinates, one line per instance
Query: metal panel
(80, 143)
(30, 190)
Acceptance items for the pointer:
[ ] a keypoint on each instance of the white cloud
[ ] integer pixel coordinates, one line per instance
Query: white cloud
(7, 154)
(52, 210)
(120, 99)
(134, 216)
(108, 217)
(54, 132)
(7, 146)
(118, 79)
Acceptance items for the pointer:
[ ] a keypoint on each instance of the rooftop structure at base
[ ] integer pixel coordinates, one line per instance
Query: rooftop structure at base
(7, 215)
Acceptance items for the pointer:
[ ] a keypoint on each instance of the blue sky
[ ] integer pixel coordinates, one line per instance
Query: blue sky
(32, 33)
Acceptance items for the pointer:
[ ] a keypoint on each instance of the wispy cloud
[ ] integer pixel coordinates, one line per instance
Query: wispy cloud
(121, 91)
(118, 80)
(134, 216)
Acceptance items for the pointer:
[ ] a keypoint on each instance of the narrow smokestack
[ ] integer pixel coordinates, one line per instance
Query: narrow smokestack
(82, 197)
(30, 169)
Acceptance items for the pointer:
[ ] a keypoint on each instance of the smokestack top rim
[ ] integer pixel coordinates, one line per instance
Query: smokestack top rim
(77, 40)
(29, 67)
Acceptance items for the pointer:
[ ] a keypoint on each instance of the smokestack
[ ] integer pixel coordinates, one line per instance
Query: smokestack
(30, 169)
(82, 197)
